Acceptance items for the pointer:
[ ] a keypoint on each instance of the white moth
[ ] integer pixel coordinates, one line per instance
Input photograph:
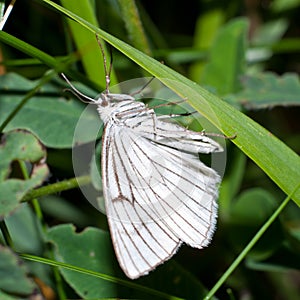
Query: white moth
(157, 192)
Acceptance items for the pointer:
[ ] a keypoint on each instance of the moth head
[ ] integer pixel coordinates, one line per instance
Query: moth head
(105, 99)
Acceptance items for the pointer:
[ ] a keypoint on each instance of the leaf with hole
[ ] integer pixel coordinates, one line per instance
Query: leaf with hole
(19, 146)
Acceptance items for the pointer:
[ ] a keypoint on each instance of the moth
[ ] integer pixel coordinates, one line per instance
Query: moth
(157, 192)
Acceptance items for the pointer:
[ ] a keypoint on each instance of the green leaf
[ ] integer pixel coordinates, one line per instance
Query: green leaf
(15, 83)
(26, 230)
(267, 90)
(19, 145)
(14, 275)
(275, 158)
(227, 58)
(90, 249)
(52, 119)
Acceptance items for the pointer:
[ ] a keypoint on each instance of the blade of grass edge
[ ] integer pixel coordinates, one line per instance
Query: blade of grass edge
(277, 160)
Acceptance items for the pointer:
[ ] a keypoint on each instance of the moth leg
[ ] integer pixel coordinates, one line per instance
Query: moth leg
(154, 118)
(176, 115)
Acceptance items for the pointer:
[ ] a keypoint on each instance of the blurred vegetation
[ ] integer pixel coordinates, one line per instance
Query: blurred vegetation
(244, 52)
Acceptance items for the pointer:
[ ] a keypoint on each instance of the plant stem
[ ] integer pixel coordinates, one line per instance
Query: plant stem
(57, 187)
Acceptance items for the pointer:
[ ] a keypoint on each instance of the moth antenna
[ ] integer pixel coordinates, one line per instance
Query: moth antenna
(111, 61)
(107, 71)
(76, 92)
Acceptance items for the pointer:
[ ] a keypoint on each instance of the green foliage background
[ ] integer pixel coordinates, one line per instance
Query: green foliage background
(243, 57)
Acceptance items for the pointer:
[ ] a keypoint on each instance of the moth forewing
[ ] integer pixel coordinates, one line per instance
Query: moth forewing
(158, 194)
